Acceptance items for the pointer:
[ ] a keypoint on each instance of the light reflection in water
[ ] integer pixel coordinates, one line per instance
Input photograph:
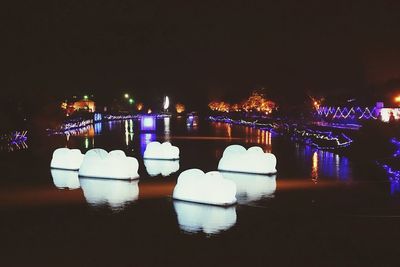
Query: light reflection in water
(114, 193)
(146, 138)
(250, 187)
(259, 136)
(167, 130)
(128, 131)
(196, 218)
(314, 167)
(394, 187)
(163, 167)
(98, 127)
(323, 163)
(64, 179)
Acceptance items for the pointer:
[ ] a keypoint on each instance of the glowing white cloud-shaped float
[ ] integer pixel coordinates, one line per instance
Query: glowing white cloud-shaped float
(208, 188)
(66, 159)
(64, 179)
(237, 159)
(156, 150)
(163, 167)
(196, 218)
(252, 187)
(98, 163)
(114, 193)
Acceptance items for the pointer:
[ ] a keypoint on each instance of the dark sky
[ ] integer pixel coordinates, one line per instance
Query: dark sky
(211, 49)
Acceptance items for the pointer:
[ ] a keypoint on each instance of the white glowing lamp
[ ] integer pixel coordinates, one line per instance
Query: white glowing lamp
(237, 159)
(66, 159)
(196, 218)
(163, 167)
(64, 179)
(98, 163)
(156, 150)
(208, 188)
(114, 193)
(166, 103)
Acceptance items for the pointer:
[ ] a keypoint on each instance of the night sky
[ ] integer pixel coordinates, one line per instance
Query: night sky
(207, 50)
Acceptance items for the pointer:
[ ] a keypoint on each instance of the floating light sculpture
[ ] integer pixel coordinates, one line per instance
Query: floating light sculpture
(98, 163)
(208, 188)
(156, 150)
(197, 218)
(237, 159)
(163, 167)
(64, 179)
(66, 159)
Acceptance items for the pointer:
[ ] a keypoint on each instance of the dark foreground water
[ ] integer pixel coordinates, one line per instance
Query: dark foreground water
(321, 209)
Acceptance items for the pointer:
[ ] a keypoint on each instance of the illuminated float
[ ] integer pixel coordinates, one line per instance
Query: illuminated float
(64, 179)
(207, 188)
(114, 193)
(196, 218)
(252, 187)
(98, 163)
(165, 151)
(163, 167)
(66, 159)
(253, 160)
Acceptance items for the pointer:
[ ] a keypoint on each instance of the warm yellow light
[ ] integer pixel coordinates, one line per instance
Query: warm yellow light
(139, 106)
(397, 98)
(126, 96)
(148, 111)
(179, 108)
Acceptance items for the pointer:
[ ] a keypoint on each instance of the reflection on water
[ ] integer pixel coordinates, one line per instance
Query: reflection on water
(128, 132)
(146, 138)
(394, 187)
(314, 167)
(259, 136)
(64, 179)
(196, 218)
(163, 167)
(114, 193)
(250, 187)
(167, 130)
(323, 163)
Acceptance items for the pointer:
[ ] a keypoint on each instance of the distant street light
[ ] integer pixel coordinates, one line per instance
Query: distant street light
(86, 97)
(126, 96)
(131, 101)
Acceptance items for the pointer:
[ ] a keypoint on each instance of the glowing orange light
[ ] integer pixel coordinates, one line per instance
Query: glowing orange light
(397, 99)
(179, 108)
(139, 106)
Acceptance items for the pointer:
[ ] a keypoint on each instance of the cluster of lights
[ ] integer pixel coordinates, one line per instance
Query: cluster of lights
(264, 126)
(14, 141)
(255, 103)
(120, 117)
(311, 137)
(76, 124)
(397, 144)
(345, 113)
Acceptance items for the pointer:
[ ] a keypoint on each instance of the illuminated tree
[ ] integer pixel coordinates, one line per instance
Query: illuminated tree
(258, 103)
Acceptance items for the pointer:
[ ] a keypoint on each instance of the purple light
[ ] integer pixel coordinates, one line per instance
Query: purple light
(148, 123)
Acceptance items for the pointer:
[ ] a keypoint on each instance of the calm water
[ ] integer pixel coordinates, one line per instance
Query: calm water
(320, 209)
